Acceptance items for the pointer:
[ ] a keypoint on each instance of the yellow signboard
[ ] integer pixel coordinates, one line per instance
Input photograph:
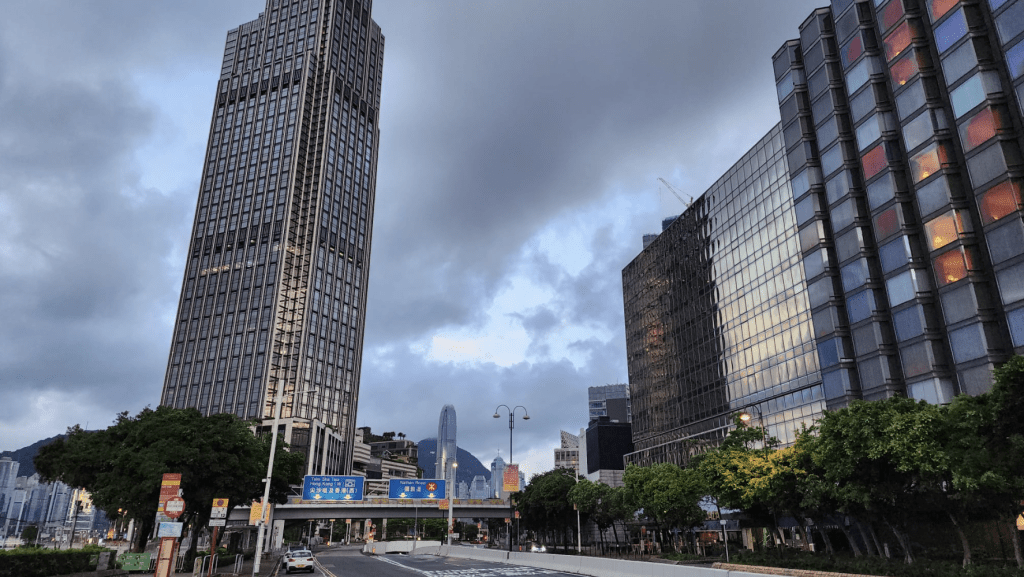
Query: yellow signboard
(511, 479)
(442, 504)
(256, 512)
(1020, 522)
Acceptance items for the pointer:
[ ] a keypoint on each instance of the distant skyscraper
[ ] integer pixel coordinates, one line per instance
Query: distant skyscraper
(610, 401)
(567, 456)
(497, 478)
(447, 447)
(274, 291)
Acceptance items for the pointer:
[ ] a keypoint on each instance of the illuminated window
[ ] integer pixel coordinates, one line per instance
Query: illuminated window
(953, 29)
(896, 42)
(979, 128)
(927, 162)
(951, 266)
(852, 51)
(891, 14)
(904, 69)
(946, 228)
(887, 223)
(999, 201)
(874, 161)
(938, 8)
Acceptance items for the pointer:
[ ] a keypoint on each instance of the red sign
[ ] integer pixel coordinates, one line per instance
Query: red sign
(174, 507)
(511, 478)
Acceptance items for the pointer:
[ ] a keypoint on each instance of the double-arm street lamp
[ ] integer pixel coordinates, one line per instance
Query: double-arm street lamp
(511, 425)
(265, 513)
(745, 416)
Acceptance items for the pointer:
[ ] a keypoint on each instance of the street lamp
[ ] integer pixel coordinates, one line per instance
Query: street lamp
(511, 425)
(451, 502)
(746, 416)
(579, 534)
(264, 516)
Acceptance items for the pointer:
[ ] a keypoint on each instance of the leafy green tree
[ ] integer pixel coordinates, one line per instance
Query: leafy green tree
(544, 504)
(667, 494)
(122, 466)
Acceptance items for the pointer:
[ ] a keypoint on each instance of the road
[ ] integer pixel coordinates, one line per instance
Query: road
(350, 562)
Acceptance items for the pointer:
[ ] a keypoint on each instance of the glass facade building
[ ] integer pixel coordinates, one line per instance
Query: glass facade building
(274, 291)
(900, 233)
(717, 316)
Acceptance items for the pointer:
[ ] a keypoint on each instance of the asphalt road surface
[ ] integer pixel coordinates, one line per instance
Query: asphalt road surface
(350, 562)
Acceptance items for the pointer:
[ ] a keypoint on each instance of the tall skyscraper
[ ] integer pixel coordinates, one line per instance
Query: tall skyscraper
(610, 401)
(872, 244)
(447, 444)
(274, 292)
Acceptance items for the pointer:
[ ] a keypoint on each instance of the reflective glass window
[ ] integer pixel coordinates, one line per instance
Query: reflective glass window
(904, 69)
(952, 29)
(854, 275)
(818, 82)
(789, 110)
(860, 306)
(945, 229)
(1015, 59)
(933, 196)
(917, 359)
(823, 107)
(874, 161)
(1015, 320)
(1011, 22)
(897, 41)
(820, 291)
(909, 323)
(959, 62)
(824, 322)
(837, 186)
(890, 14)
(785, 86)
(881, 191)
(815, 263)
(968, 343)
(1006, 242)
(911, 99)
(829, 351)
(999, 201)
(831, 159)
(986, 165)
(918, 130)
(852, 50)
(894, 254)
(828, 132)
(927, 162)
(846, 24)
(1011, 284)
(900, 288)
(806, 208)
(868, 132)
(995, 4)
(858, 75)
(813, 56)
(979, 128)
(951, 266)
(968, 95)
(938, 8)
(843, 215)
(862, 104)
(801, 183)
(865, 339)
(959, 304)
(887, 223)
(849, 244)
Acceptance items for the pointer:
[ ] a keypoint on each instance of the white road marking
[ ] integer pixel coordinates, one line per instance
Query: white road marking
(504, 571)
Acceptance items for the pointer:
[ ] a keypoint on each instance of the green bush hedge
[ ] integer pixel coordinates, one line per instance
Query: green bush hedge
(36, 562)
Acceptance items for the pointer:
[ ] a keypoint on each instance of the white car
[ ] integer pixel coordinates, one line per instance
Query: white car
(299, 560)
(538, 548)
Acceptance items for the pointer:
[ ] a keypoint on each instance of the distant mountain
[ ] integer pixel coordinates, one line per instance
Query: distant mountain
(469, 466)
(26, 454)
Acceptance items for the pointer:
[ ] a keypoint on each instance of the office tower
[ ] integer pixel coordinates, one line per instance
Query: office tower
(610, 401)
(274, 292)
(447, 446)
(902, 125)
(608, 443)
(567, 456)
(717, 318)
(498, 478)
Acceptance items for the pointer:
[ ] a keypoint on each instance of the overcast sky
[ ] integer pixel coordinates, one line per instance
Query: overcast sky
(520, 148)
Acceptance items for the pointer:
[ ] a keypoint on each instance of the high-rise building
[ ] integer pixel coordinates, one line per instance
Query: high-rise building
(872, 244)
(717, 316)
(447, 444)
(568, 455)
(610, 401)
(274, 292)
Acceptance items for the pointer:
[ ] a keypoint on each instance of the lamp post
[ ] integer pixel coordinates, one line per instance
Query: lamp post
(511, 426)
(265, 514)
(451, 502)
(745, 417)
(579, 534)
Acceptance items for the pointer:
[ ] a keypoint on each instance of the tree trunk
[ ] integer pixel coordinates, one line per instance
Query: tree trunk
(145, 527)
(1015, 535)
(904, 542)
(874, 537)
(963, 538)
(828, 542)
(869, 545)
(849, 537)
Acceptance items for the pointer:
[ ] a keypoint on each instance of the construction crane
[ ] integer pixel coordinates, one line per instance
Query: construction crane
(672, 189)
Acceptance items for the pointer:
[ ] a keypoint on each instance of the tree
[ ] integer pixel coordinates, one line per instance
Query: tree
(667, 494)
(122, 466)
(544, 504)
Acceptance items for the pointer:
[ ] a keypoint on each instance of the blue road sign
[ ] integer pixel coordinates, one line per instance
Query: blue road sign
(416, 489)
(332, 488)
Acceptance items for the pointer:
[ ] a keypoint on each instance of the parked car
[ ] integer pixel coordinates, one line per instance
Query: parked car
(299, 560)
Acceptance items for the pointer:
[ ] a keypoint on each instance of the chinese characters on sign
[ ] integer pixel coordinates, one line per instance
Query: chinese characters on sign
(416, 489)
(332, 488)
